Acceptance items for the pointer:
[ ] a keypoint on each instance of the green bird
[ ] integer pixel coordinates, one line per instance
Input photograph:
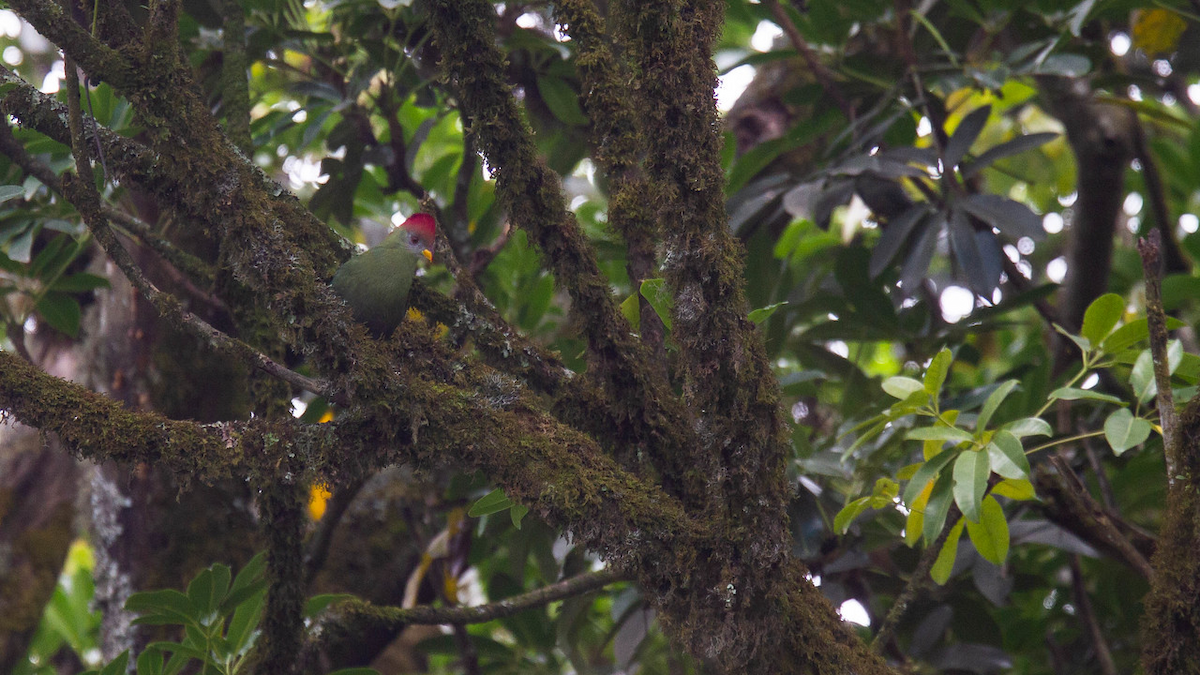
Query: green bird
(376, 283)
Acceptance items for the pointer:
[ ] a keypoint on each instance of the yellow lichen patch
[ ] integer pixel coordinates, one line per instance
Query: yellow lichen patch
(318, 499)
(415, 314)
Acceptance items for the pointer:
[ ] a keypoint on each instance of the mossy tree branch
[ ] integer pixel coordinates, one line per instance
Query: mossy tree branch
(722, 359)
(357, 610)
(617, 142)
(235, 87)
(634, 407)
(95, 57)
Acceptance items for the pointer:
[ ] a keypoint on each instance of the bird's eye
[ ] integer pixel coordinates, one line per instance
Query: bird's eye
(412, 239)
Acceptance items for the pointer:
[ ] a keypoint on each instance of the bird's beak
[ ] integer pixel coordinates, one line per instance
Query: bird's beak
(428, 255)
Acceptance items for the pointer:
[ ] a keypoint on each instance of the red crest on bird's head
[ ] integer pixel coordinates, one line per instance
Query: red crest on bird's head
(423, 225)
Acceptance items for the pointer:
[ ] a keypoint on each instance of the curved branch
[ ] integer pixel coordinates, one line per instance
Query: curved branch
(394, 617)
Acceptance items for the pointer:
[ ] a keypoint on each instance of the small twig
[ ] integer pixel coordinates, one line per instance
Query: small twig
(395, 616)
(916, 582)
(1090, 520)
(1106, 489)
(483, 256)
(819, 70)
(1148, 248)
(1088, 617)
(16, 335)
(1174, 259)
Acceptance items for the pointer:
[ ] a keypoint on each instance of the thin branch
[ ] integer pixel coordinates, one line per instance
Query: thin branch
(823, 74)
(1086, 517)
(1088, 617)
(186, 267)
(1149, 248)
(396, 616)
(916, 583)
(82, 193)
(1174, 259)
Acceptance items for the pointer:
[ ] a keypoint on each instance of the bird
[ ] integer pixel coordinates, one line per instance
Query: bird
(376, 283)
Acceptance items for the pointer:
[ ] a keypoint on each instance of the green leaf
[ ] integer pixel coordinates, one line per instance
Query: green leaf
(940, 433)
(1015, 146)
(78, 283)
(1075, 394)
(924, 474)
(1084, 344)
(561, 99)
(317, 603)
(1014, 219)
(914, 526)
(938, 506)
(1126, 336)
(119, 665)
(841, 522)
(893, 238)
(355, 671)
(61, 312)
(935, 374)
(763, 313)
(1123, 431)
(1101, 317)
(902, 387)
(656, 293)
(990, 534)
(493, 502)
(201, 592)
(246, 616)
(993, 402)
(251, 572)
(944, 565)
(1015, 488)
(1029, 426)
(971, 471)
(884, 493)
(517, 513)
(631, 309)
(1007, 456)
(8, 192)
(150, 662)
(1141, 377)
(167, 601)
(964, 136)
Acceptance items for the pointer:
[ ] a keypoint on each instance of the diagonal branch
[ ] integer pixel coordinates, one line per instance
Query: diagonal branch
(819, 70)
(82, 193)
